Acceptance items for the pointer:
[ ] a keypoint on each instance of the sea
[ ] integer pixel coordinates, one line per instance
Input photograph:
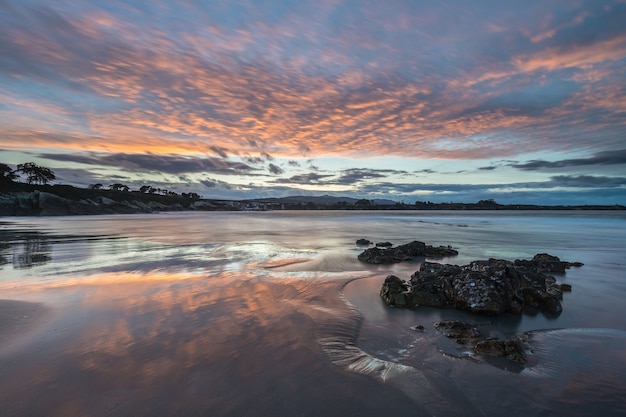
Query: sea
(270, 313)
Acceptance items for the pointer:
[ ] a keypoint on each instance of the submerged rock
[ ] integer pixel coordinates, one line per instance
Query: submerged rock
(544, 262)
(378, 255)
(489, 287)
(467, 334)
(457, 330)
(384, 244)
(512, 349)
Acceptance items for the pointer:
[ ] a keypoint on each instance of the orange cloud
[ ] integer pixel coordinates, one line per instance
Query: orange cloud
(148, 92)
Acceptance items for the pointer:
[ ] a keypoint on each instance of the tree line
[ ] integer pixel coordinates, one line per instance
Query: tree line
(39, 175)
(34, 173)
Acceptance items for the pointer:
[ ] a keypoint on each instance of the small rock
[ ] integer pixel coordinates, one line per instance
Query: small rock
(566, 287)
(407, 252)
(363, 242)
(384, 244)
(457, 330)
(511, 349)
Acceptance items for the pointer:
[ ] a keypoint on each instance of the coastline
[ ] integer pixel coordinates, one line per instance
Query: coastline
(17, 199)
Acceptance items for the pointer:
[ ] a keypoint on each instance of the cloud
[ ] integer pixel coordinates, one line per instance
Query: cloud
(275, 169)
(107, 87)
(357, 175)
(587, 181)
(255, 160)
(169, 164)
(211, 183)
(219, 151)
(616, 157)
(300, 87)
(555, 182)
(310, 178)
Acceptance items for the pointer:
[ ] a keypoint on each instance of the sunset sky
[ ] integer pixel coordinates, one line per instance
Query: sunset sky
(442, 100)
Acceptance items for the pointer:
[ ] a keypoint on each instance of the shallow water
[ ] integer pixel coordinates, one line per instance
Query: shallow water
(247, 314)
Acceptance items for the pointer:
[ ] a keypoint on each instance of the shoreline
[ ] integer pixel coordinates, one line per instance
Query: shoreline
(18, 199)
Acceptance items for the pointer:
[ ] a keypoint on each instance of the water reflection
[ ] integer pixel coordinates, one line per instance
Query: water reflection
(30, 252)
(221, 314)
(234, 345)
(24, 249)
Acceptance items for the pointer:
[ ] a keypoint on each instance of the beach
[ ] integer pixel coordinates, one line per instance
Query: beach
(247, 314)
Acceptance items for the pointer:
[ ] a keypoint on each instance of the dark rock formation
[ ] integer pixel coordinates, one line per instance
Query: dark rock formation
(41, 203)
(363, 242)
(489, 287)
(460, 331)
(512, 349)
(384, 244)
(467, 334)
(377, 255)
(543, 262)
(395, 292)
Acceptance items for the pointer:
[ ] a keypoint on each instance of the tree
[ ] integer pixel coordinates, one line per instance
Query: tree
(36, 174)
(6, 173)
(96, 186)
(144, 188)
(191, 196)
(487, 203)
(118, 187)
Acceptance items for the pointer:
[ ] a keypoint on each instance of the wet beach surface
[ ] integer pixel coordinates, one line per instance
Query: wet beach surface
(271, 314)
(247, 347)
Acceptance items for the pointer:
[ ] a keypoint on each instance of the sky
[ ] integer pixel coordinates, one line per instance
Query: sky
(523, 102)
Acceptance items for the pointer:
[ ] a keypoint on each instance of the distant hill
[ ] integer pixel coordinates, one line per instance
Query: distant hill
(20, 199)
(324, 200)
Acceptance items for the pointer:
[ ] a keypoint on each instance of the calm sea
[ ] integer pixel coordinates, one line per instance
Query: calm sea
(270, 313)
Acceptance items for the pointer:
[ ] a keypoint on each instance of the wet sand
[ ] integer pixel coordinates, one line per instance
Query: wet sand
(18, 321)
(231, 346)
(570, 372)
(169, 318)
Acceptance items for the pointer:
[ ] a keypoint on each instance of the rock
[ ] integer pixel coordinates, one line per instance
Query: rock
(511, 349)
(384, 244)
(490, 287)
(431, 285)
(480, 293)
(566, 287)
(418, 328)
(543, 262)
(377, 255)
(363, 242)
(52, 205)
(466, 333)
(395, 292)
(457, 330)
